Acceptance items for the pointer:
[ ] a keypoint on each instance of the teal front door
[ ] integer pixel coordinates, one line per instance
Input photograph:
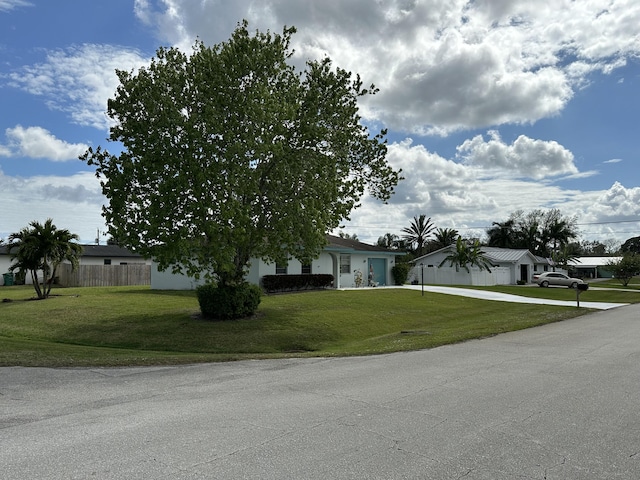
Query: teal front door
(377, 272)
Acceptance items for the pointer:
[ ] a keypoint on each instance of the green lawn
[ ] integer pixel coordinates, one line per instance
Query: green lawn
(138, 326)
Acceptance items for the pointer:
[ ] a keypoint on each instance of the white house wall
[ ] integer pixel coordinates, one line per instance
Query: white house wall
(449, 276)
(324, 264)
(169, 281)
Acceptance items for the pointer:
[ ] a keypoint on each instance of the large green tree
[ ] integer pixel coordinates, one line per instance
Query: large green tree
(39, 249)
(231, 153)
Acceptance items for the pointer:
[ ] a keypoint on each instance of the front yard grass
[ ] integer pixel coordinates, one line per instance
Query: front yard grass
(138, 326)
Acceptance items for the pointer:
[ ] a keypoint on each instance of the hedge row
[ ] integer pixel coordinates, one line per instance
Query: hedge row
(279, 283)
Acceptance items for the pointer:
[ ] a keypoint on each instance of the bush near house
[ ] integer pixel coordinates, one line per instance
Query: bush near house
(400, 272)
(226, 302)
(281, 283)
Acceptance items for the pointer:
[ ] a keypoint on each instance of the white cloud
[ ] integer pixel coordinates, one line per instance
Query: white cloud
(467, 197)
(73, 202)
(613, 160)
(441, 66)
(526, 157)
(7, 5)
(36, 142)
(79, 80)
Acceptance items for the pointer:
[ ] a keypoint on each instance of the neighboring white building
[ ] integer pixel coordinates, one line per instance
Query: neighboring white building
(347, 260)
(110, 255)
(593, 267)
(510, 266)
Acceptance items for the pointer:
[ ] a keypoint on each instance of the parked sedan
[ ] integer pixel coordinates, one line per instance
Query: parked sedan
(556, 278)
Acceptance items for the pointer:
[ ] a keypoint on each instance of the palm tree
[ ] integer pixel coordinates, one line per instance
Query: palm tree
(43, 247)
(465, 254)
(502, 234)
(418, 232)
(557, 232)
(443, 237)
(391, 241)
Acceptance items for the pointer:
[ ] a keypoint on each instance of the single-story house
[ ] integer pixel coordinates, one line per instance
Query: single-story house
(110, 255)
(352, 264)
(592, 267)
(91, 255)
(509, 266)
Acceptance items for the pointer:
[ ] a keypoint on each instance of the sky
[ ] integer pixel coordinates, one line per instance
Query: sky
(491, 106)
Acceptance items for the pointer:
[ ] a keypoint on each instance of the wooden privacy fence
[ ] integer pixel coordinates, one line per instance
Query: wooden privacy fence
(104, 275)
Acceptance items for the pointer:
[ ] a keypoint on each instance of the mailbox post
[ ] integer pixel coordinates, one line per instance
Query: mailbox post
(581, 287)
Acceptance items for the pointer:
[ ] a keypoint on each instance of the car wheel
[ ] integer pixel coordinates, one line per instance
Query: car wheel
(544, 284)
(574, 285)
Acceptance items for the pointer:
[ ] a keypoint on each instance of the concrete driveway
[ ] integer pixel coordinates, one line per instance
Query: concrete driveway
(505, 297)
(554, 402)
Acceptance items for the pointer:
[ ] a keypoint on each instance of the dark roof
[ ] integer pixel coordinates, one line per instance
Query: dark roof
(107, 251)
(333, 244)
(96, 251)
(349, 245)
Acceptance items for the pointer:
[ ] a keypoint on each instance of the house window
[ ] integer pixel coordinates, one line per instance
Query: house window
(306, 269)
(345, 263)
(107, 261)
(281, 269)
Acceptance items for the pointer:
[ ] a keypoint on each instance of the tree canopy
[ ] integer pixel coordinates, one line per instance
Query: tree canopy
(467, 253)
(39, 249)
(417, 233)
(543, 233)
(631, 245)
(231, 153)
(625, 268)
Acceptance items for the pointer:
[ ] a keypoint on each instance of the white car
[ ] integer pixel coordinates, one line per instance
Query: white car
(556, 278)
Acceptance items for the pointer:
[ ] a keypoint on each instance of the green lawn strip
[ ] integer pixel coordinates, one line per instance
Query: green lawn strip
(610, 295)
(138, 326)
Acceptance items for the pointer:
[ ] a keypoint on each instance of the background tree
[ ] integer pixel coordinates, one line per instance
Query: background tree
(353, 236)
(541, 232)
(230, 153)
(443, 237)
(625, 268)
(417, 233)
(631, 245)
(42, 248)
(467, 254)
(562, 256)
(391, 241)
(502, 234)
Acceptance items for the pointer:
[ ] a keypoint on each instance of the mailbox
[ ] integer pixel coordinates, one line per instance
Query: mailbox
(583, 286)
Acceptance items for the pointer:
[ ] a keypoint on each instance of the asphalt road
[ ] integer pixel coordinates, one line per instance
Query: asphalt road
(553, 402)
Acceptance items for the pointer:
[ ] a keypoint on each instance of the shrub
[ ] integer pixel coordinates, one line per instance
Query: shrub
(279, 283)
(228, 301)
(400, 272)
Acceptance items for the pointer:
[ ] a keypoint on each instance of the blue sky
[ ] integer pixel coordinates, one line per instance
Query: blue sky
(491, 105)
